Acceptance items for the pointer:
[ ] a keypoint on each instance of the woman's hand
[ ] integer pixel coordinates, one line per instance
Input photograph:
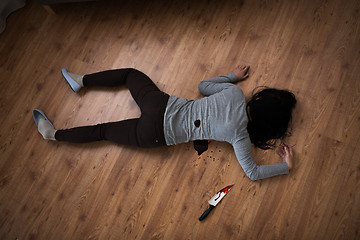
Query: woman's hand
(285, 152)
(241, 72)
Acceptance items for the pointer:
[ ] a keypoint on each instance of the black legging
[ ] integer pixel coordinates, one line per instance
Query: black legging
(146, 131)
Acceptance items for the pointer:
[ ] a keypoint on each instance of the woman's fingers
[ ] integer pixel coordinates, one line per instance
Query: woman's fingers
(288, 149)
(286, 153)
(280, 151)
(244, 68)
(241, 71)
(284, 150)
(244, 71)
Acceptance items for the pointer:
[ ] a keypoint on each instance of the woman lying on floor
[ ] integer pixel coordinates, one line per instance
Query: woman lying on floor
(223, 115)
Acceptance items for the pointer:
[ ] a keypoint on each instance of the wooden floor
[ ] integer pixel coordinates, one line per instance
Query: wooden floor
(51, 190)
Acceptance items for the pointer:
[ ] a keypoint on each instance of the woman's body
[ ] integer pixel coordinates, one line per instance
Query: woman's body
(170, 120)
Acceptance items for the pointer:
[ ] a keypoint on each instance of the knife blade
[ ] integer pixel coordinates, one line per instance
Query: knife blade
(215, 200)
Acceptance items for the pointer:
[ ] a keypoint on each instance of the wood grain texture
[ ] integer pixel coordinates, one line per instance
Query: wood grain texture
(51, 190)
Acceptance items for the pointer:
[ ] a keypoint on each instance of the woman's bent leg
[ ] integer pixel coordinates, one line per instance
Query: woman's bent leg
(137, 82)
(109, 78)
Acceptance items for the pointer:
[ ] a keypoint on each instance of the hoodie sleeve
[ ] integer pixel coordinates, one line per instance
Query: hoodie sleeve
(214, 85)
(252, 170)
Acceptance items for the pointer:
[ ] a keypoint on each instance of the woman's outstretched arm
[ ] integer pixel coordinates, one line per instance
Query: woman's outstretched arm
(252, 170)
(217, 84)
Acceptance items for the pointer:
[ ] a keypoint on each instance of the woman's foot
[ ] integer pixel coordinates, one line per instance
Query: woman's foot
(45, 128)
(75, 81)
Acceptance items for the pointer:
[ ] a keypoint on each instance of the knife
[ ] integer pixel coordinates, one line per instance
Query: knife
(215, 200)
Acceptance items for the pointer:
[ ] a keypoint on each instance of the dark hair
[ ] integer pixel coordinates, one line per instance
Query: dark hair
(269, 112)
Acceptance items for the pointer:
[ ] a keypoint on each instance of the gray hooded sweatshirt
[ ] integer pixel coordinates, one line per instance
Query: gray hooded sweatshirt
(220, 116)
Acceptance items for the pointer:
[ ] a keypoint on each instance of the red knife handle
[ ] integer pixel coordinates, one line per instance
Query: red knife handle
(204, 215)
